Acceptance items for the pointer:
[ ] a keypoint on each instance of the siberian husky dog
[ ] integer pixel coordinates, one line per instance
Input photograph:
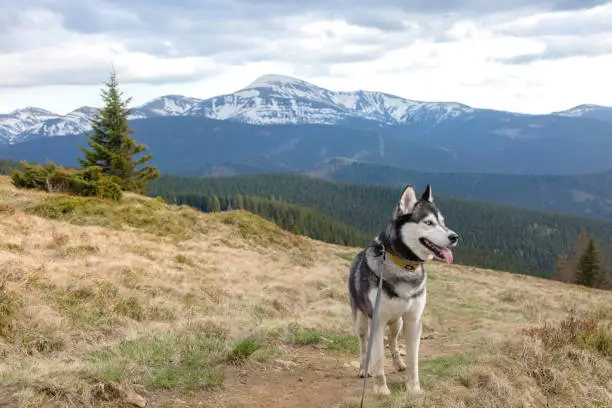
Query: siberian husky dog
(414, 234)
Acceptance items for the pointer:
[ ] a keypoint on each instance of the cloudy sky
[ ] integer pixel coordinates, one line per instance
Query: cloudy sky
(530, 56)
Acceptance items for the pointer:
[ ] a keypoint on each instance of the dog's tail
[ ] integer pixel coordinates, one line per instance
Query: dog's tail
(352, 282)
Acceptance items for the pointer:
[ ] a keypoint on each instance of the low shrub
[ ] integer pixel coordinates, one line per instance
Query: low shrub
(88, 182)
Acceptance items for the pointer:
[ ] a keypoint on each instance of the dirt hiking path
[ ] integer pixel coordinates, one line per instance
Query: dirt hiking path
(310, 379)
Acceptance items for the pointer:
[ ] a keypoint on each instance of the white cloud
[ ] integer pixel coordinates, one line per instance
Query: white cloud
(57, 58)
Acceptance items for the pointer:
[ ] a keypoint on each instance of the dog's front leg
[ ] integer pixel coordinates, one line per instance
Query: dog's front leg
(361, 327)
(412, 331)
(394, 330)
(378, 359)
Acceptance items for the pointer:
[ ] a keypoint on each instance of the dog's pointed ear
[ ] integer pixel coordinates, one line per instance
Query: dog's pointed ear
(427, 195)
(407, 200)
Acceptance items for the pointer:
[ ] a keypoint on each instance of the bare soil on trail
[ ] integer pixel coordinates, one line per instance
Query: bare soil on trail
(314, 380)
(309, 379)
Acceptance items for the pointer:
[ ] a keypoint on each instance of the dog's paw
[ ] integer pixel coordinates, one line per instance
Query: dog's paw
(399, 364)
(381, 389)
(362, 373)
(413, 387)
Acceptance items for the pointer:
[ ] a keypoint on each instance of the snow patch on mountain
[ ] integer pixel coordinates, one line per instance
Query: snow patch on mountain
(168, 105)
(275, 80)
(590, 111)
(579, 110)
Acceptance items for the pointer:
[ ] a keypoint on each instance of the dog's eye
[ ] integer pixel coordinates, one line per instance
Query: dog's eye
(429, 222)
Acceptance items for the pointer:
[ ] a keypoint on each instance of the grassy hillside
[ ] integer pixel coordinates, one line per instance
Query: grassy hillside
(297, 219)
(105, 303)
(585, 195)
(493, 235)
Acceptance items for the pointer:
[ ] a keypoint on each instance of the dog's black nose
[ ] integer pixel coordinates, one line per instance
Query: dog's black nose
(453, 238)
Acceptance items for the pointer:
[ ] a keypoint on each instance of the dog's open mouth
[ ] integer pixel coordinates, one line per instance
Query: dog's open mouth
(442, 253)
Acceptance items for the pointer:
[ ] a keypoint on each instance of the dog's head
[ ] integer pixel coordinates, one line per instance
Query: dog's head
(420, 227)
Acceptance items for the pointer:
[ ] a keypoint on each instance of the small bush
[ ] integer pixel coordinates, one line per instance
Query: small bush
(243, 349)
(585, 332)
(307, 338)
(88, 182)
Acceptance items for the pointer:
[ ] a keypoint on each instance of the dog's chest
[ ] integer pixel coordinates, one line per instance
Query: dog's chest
(392, 308)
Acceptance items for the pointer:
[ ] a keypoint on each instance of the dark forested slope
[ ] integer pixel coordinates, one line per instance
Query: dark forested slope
(585, 194)
(492, 235)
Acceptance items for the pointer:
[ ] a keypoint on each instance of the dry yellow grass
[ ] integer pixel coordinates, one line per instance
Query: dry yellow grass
(180, 305)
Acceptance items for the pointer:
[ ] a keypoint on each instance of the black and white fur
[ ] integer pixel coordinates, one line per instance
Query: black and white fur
(416, 233)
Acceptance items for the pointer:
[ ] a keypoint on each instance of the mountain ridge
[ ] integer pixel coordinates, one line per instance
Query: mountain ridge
(273, 99)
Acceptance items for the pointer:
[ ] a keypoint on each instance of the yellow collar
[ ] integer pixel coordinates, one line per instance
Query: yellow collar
(401, 263)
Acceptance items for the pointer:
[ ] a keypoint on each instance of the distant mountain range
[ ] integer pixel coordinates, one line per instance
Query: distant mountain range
(280, 123)
(276, 99)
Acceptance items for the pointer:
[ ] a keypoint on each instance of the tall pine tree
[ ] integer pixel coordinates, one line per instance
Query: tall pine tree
(112, 147)
(589, 268)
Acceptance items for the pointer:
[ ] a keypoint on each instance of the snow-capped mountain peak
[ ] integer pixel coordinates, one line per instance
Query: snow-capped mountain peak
(579, 110)
(591, 111)
(270, 99)
(31, 111)
(167, 105)
(275, 80)
(281, 99)
(85, 112)
(21, 120)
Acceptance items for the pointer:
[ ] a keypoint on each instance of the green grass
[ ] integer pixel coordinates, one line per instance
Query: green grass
(244, 349)
(446, 367)
(183, 360)
(332, 342)
(257, 230)
(349, 256)
(130, 307)
(150, 215)
(96, 304)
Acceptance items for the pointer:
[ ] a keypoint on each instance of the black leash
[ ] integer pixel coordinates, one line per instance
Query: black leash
(372, 325)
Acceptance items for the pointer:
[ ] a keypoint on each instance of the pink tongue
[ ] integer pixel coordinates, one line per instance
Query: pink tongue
(447, 255)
